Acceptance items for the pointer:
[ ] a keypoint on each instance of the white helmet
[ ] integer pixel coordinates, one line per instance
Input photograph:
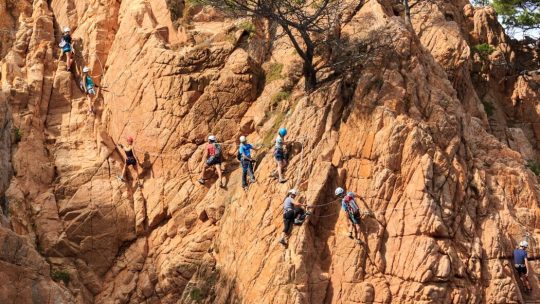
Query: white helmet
(86, 70)
(339, 191)
(293, 192)
(67, 30)
(211, 138)
(242, 139)
(524, 244)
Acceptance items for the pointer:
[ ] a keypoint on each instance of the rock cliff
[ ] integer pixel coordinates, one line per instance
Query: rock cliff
(438, 136)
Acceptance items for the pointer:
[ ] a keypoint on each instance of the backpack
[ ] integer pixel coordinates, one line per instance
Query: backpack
(218, 150)
(351, 204)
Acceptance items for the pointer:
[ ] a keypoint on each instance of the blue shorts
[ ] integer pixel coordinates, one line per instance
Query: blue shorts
(90, 90)
(279, 155)
(66, 48)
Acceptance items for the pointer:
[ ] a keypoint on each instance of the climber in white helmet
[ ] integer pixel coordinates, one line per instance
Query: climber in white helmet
(293, 214)
(520, 264)
(88, 86)
(246, 161)
(65, 45)
(352, 210)
(212, 157)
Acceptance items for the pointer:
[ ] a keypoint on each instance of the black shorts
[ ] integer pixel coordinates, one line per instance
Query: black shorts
(355, 218)
(521, 269)
(213, 160)
(288, 221)
(131, 161)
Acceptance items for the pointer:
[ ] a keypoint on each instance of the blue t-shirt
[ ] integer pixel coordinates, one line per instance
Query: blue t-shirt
(245, 149)
(519, 256)
(288, 203)
(89, 82)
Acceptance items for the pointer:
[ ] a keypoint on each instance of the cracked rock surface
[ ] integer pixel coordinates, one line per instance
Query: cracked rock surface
(440, 141)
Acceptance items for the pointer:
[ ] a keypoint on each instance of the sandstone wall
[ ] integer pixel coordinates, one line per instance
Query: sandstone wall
(445, 179)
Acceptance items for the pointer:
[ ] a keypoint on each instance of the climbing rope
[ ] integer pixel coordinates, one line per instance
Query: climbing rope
(300, 166)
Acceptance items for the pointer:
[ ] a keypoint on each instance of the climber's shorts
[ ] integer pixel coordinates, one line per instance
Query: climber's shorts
(90, 91)
(66, 48)
(213, 160)
(521, 269)
(279, 155)
(131, 161)
(288, 221)
(355, 218)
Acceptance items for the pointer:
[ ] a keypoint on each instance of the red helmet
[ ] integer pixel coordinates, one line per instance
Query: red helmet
(130, 139)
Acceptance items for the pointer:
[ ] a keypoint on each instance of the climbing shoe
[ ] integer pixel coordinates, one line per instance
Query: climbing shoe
(120, 178)
(282, 180)
(201, 181)
(283, 242)
(350, 235)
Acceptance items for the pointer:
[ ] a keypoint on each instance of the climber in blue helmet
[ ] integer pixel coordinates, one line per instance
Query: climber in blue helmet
(279, 154)
(352, 210)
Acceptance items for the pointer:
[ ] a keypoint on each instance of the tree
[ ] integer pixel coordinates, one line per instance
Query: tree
(309, 24)
(407, 10)
(520, 14)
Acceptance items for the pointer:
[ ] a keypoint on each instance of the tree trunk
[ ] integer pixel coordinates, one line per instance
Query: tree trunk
(407, 10)
(310, 74)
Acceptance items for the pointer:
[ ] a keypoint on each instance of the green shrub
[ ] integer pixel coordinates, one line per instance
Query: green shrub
(60, 275)
(280, 96)
(247, 26)
(269, 138)
(534, 166)
(196, 294)
(483, 50)
(17, 134)
(488, 107)
(273, 72)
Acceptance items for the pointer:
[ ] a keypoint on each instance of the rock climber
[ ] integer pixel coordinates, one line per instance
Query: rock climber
(293, 213)
(88, 85)
(353, 212)
(67, 49)
(131, 160)
(280, 154)
(214, 157)
(520, 263)
(246, 161)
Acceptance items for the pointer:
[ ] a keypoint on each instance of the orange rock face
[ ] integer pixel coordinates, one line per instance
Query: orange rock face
(439, 140)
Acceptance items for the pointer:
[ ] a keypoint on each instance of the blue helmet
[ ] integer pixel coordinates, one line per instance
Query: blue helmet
(282, 132)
